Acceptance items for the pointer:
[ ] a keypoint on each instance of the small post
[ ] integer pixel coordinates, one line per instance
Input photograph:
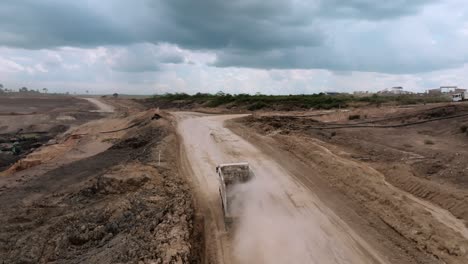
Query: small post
(159, 158)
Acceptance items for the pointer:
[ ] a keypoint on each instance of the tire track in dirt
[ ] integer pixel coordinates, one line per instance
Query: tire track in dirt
(282, 220)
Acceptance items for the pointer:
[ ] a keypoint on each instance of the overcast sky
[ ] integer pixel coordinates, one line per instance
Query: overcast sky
(267, 46)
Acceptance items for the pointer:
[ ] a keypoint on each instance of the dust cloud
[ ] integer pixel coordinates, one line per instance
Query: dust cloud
(271, 229)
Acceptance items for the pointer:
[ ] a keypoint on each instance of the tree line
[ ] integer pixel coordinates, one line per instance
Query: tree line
(4, 90)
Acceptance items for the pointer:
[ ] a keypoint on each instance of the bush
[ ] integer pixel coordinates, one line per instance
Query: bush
(221, 100)
(257, 106)
(291, 102)
(354, 117)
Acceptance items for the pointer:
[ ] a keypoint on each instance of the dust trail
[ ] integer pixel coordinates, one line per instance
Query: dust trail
(268, 232)
(273, 229)
(281, 221)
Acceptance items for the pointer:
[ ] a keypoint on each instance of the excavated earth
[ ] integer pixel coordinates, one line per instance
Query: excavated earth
(401, 171)
(112, 187)
(111, 193)
(31, 121)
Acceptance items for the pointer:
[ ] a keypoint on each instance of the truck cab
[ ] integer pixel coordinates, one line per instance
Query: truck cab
(459, 97)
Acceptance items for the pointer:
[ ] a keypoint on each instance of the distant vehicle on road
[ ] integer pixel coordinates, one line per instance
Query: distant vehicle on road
(463, 96)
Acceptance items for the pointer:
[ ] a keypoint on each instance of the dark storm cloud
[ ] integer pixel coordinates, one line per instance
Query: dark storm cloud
(243, 33)
(144, 58)
(171, 58)
(321, 58)
(205, 24)
(371, 9)
(245, 24)
(46, 24)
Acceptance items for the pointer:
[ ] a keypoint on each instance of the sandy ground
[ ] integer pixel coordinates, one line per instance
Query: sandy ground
(281, 219)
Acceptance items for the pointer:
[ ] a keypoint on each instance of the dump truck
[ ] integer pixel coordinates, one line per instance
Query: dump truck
(463, 96)
(230, 175)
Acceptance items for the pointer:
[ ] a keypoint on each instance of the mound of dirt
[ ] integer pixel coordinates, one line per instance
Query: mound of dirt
(116, 207)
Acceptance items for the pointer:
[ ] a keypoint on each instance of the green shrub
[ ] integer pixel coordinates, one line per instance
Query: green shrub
(305, 101)
(221, 100)
(257, 106)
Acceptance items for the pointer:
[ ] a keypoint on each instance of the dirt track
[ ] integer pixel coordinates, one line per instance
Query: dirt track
(281, 220)
(103, 107)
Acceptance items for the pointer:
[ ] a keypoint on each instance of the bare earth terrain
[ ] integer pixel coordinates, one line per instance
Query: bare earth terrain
(108, 180)
(33, 121)
(281, 218)
(401, 170)
(107, 191)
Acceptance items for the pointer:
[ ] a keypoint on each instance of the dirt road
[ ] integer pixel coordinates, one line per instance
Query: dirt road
(282, 220)
(103, 107)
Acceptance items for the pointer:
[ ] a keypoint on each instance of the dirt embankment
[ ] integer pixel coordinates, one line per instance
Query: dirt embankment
(424, 161)
(127, 204)
(27, 123)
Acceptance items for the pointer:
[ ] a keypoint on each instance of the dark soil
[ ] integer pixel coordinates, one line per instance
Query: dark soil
(32, 121)
(40, 104)
(115, 207)
(26, 142)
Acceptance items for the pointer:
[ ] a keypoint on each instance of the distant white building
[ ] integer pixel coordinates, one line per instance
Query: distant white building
(445, 90)
(361, 93)
(397, 90)
(394, 90)
(448, 89)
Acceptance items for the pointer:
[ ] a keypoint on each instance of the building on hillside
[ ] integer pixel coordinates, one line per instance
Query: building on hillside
(445, 90)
